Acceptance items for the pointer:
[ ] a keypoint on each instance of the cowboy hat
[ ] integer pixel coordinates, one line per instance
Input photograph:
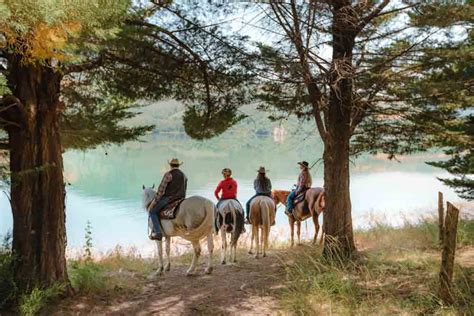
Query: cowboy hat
(175, 162)
(304, 164)
(262, 170)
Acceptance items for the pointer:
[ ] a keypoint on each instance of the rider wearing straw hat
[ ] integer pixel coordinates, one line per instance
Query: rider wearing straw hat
(304, 183)
(172, 188)
(262, 186)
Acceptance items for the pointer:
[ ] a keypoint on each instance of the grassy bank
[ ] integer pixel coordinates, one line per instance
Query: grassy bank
(395, 272)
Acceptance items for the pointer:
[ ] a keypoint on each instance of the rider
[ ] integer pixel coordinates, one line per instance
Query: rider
(228, 186)
(262, 186)
(304, 183)
(172, 188)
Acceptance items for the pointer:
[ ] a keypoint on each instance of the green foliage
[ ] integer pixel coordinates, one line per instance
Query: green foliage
(8, 288)
(32, 303)
(432, 94)
(461, 163)
(203, 124)
(88, 242)
(65, 30)
(87, 277)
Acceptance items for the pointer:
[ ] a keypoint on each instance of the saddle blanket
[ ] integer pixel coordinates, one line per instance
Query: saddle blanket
(170, 210)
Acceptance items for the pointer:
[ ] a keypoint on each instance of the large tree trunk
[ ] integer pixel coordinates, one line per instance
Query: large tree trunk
(37, 186)
(338, 219)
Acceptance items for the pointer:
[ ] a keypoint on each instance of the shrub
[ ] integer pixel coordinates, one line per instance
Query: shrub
(8, 288)
(87, 277)
(33, 302)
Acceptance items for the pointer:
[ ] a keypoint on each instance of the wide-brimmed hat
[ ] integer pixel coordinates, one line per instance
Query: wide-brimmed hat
(262, 170)
(175, 162)
(304, 164)
(226, 170)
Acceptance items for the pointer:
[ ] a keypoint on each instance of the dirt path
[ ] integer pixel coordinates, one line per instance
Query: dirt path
(245, 288)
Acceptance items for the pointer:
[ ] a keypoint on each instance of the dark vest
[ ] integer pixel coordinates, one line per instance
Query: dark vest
(176, 189)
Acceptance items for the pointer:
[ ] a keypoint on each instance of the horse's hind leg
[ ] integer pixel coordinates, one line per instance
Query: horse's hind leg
(265, 234)
(194, 262)
(224, 244)
(298, 231)
(210, 249)
(159, 246)
(251, 239)
(316, 227)
(291, 220)
(233, 250)
(168, 250)
(257, 242)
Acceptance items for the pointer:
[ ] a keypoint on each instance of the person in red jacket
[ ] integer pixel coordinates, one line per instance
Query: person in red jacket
(228, 186)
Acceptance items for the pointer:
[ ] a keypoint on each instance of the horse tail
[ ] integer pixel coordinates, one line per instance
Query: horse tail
(320, 203)
(217, 220)
(265, 214)
(238, 225)
(207, 226)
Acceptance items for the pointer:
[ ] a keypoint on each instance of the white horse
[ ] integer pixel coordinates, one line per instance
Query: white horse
(193, 222)
(230, 219)
(262, 215)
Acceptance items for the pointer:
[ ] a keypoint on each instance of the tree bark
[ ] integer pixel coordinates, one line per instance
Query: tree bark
(37, 186)
(338, 219)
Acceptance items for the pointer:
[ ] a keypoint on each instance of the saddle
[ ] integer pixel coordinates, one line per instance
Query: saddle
(301, 198)
(170, 210)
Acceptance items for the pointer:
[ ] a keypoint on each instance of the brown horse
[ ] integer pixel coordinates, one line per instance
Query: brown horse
(316, 202)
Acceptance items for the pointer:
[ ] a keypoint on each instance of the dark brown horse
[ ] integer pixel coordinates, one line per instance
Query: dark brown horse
(316, 202)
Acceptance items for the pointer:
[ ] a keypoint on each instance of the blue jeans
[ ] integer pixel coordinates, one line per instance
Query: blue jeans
(247, 205)
(155, 213)
(289, 201)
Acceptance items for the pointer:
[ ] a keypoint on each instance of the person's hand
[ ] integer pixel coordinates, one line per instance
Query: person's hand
(151, 206)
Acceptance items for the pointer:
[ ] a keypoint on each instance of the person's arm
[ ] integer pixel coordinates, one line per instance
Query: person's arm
(218, 189)
(269, 185)
(236, 187)
(255, 184)
(185, 184)
(167, 177)
(301, 182)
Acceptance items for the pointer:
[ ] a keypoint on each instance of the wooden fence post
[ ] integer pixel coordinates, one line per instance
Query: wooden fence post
(449, 250)
(441, 217)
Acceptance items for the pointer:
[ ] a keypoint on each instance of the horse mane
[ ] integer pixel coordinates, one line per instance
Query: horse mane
(148, 196)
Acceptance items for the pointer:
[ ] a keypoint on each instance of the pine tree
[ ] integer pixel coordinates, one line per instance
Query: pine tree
(345, 64)
(441, 88)
(71, 70)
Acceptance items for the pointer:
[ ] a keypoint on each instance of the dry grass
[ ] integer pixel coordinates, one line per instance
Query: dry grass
(396, 272)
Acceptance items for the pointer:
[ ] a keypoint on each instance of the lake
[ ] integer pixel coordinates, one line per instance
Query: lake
(105, 183)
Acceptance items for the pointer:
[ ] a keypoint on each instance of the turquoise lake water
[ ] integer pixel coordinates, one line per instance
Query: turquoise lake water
(105, 183)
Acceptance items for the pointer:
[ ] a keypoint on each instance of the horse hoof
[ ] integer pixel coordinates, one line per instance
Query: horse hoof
(257, 257)
(223, 262)
(189, 273)
(250, 252)
(264, 255)
(168, 267)
(208, 270)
